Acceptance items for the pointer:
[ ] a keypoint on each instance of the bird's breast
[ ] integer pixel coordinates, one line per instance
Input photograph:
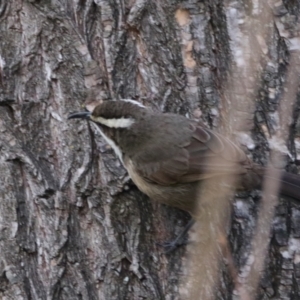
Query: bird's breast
(139, 181)
(178, 195)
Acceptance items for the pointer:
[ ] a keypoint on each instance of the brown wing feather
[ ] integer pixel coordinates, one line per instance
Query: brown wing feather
(207, 154)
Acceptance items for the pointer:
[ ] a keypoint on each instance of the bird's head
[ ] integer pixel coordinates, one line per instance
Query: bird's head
(115, 120)
(113, 114)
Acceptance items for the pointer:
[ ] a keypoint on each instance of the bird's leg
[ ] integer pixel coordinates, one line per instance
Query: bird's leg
(179, 240)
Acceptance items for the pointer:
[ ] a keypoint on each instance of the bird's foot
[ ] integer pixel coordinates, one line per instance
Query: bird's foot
(179, 241)
(170, 246)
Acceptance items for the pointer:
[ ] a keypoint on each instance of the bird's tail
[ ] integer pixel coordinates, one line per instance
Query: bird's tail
(290, 185)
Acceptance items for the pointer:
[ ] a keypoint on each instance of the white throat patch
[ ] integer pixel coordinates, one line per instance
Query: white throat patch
(110, 143)
(114, 123)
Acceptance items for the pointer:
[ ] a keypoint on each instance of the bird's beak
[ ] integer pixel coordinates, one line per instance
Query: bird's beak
(80, 115)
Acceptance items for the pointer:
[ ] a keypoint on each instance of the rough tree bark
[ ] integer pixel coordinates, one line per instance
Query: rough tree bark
(72, 226)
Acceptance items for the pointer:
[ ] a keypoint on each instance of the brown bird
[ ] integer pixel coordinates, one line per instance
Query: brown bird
(167, 155)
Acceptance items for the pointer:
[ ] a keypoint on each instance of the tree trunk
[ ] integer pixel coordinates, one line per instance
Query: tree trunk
(73, 226)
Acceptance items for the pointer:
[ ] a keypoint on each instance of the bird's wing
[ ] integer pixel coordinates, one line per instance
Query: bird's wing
(206, 154)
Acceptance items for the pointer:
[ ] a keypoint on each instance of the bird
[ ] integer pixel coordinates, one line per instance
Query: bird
(167, 155)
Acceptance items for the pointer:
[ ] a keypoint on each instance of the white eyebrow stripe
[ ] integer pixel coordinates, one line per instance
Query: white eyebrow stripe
(114, 123)
(134, 102)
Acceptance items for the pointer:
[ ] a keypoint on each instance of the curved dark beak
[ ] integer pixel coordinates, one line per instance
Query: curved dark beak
(80, 115)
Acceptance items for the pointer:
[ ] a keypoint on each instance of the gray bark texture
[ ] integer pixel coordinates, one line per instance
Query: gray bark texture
(72, 225)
